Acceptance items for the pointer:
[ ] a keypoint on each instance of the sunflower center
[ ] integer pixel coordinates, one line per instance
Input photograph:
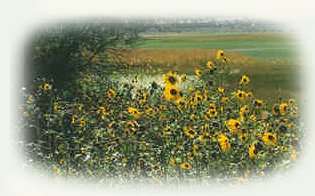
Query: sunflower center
(191, 132)
(172, 79)
(270, 137)
(173, 92)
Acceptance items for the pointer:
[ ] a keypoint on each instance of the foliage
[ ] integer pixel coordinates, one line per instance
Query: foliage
(175, 128)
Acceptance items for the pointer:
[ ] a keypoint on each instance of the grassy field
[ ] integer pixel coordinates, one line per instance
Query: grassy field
(269, 58)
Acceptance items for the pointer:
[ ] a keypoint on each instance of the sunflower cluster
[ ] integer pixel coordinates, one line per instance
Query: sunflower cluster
(162, 130)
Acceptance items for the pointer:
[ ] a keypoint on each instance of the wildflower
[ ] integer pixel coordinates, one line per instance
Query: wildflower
(130, 126)
(210, 65)
(254, 149)
(26, 114)
(124, 160)
(192, 117)
(221, 90)
(240, 94)
(173, 162)
(183, 77)
(293, 154)
(46, 86)
(167, 130)
(134, 112)
(143, 98)
(276, 109)
(225, 99)
(244, 111)
(243, 137)
(258, 103)
(212, 113)
(292, 102)
(30, 99)
(212, 106)
(253, 118)
(198, 72)
(171, 92)
(190, 132)
(56, 106)
(244, 80)
(220, 54)
(197, 97)
(283, 108)
(111, 93)
(82, 122)
(233, 125)
(73, 118)
(80, 107)
(102, 110)
(269, 139)
(206, 136)
(249, 95)
(191, 90)
(185, 166)
(170, 78)
(195, 149)
(224, 143)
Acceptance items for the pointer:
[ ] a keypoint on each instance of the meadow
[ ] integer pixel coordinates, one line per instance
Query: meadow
(271, 58)
(192, 107)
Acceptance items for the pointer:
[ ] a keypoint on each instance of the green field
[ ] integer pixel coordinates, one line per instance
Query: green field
(271, 45)
(273, 65)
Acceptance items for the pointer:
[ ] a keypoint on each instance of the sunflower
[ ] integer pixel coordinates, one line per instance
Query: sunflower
(143, 98)
(111, 93)
(253, 118)
(225, 99)
(206, 136)
(212, 106)
(221, 90)
(73, 118)
(183, 78)
(101, 110)
(56, 107)
(170, 78)
(130, 126)
(26, 114)
(244, 80)
(210, 65)
(167, 130)
(244, 111)
(276, 109)
(269, 139)
(224, 143)
(212, 113)
(220, 54)
(190, 132)
(46, 86)
(244, 137)
(198, 72)
(240, 94)
(258, 103)
(82, 122)
(292, 101)
(171, 92)
(197, 97)
(233, 125)
(185, 166)
(254, 149)
(195, 149)
(134, 112)
(283, 108)
(249, 95)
